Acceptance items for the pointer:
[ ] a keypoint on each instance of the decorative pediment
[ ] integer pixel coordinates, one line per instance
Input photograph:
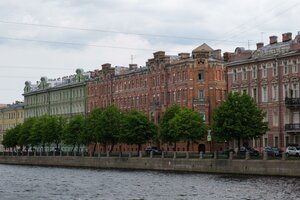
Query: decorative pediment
(264, 82)
(294, 79)
(274, 80)
(285, 80)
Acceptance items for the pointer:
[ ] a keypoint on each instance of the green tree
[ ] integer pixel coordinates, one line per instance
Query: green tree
(73, 132)
(166, 135)
(238, 118)
(110, 126)
(92, 134)
(188, 126)
(137, 129)
(10, 137)
(24, 137)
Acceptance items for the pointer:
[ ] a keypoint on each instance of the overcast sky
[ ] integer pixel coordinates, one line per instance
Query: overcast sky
(54, 37)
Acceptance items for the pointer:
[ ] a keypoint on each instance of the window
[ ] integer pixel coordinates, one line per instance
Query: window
(285, 90)
(254, 75)
(264, 94)
(295, 67)
(234, 75)
(264, 71)
(287, 141)
(244, 74)
(245, 91)
(254, 94)
(201, 94)
(295, 90)
(274, 92)
(201, 75)
(286, 117)
(275, 118)
(274, 69)
(285, 67)
(276, 142)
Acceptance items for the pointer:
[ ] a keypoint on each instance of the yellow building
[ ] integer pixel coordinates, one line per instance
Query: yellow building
(10, 116)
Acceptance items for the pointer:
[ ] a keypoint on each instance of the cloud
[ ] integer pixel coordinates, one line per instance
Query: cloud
(184, 25)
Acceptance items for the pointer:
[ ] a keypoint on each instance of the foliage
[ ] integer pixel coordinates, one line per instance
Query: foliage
(238, 118)
(73, 131)
(137, 129)
(93, 130)
(166, 135)
(187, 125)
(10, 138)
(110, 126)
(24, 136)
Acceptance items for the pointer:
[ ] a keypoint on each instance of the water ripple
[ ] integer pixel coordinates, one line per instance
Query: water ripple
(27, 182)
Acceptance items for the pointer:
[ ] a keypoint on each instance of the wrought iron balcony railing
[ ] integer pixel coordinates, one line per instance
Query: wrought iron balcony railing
(293, 127)
(292, 101)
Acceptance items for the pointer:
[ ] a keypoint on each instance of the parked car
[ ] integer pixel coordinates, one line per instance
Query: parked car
(252, 151)
(273, 151)
(292, 151)
(154, 150)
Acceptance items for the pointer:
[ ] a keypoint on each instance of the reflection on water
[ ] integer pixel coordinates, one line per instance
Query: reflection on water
(26, 182)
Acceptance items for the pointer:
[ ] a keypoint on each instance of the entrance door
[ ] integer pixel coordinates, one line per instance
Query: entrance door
(201, 147)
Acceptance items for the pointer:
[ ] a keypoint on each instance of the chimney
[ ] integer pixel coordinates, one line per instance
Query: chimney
(184, 55)
(159, 54)
(286, 37)
(106, 66)
(273, 39)
(226, 56)
(259, 45)
(217, 54)
(132, 66)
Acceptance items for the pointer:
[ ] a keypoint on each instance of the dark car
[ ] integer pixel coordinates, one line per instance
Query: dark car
(154, 150)
(252, 151)
(273, 151)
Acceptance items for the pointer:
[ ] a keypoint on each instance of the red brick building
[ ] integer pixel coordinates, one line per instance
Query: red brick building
(196, 82)
(270, 74)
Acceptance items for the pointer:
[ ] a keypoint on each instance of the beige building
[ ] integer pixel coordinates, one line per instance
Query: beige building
(10, 116)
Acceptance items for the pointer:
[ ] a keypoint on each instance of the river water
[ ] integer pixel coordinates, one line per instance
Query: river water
(34, 183)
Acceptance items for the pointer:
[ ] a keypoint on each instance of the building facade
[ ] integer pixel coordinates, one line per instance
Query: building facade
(63, 96)
(10, 116)
(271, 75)
(196, 82)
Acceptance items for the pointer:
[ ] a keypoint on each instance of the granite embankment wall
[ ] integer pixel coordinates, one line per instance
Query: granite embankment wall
(226, 166)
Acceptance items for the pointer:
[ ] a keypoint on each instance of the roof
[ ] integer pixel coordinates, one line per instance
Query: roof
(203, 47)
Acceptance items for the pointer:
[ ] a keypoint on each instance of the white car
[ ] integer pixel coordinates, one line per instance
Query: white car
(292, 151)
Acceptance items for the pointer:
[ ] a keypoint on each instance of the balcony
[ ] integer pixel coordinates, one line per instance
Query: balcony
(292, 102)
(293, 128)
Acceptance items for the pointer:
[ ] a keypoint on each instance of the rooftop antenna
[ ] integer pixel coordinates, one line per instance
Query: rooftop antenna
(249, 44)
(131, 58)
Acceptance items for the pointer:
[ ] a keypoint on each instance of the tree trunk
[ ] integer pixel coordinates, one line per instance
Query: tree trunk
(78, 147)
(111, 147)
(94, 149)
(139, 147)
(43, 147)
(187, 145)
(175, 146)
(239, 144)
(73, 148)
